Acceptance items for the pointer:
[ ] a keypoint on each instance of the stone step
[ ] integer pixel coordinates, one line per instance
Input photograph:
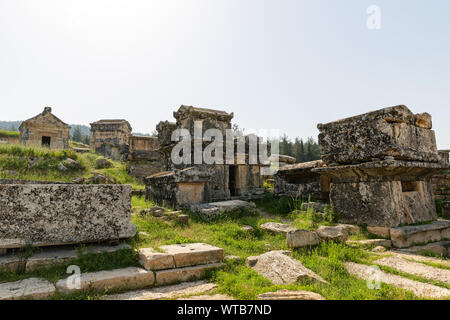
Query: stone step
(418, 288)
(415, 268)
(191, 254)
(419, 258)
(50, 256)
(170, 276)
(32, 288)
(166, 292)
(407, 236)
(129, 278)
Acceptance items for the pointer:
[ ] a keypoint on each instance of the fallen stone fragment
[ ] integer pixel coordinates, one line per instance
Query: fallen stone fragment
(232, 258)
(416, 268)
(166, 292)
(247, 228)
(420, 289)
(170, 276)
(407, 236)
(279, 268)
(380, 231)
(102, 163)
(191, 254)
(441, 248)
(129, 278)
(182, 219)
(302, 238)
(338, 234)
(32, 288)
(275, 227)
(351, 228)
(290, 295)
(152, 260)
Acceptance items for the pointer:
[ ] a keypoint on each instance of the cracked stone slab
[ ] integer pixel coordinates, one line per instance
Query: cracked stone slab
(420, 289)
(415, 268)
(166, 292)
(280, 268)
(32, 288)
(113, 279)
(277, 228)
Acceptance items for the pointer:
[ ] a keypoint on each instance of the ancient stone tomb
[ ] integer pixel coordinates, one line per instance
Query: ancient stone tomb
(45, 130)
(380, 165)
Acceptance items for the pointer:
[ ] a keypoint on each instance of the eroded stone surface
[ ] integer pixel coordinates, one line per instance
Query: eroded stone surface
(418, 288)
(191, 254)
(290, 295)
(441, 248)
(380, 231)
(32, 288)
(407, 236)
(279, 268)
(338, 234)
(129, 278)
(275, 227)
(166, 292)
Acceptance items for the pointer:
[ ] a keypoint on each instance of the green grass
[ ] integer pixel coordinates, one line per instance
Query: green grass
(33, 163)
(9, 134)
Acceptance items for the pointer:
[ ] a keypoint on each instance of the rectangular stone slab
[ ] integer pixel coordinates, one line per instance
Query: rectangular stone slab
(393, 132)
(129, 278)
(191, 254)
(170, 276)
(32, 288)
(403, 237)
(55, 214)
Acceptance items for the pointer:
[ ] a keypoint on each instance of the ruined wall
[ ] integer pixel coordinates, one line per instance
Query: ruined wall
(54, 214)
(10, 140)
(45, 130)
(111, 138)
(390, 132)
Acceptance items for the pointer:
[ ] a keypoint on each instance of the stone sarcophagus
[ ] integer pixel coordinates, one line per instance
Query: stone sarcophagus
(58, 214)
(298, 180)
(389, 132)
(380, 165)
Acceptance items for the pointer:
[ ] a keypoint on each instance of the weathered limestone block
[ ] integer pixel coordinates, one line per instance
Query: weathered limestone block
(54, 214)
(128, 278)
(152, 260)
(274, 227)
(380, 231)
(302, 238)
(389, 132)
(290, 295)
(280, 268)
(407, 236)
(351, 229)
(441, 248)
(191, 254)
(338, 234)
(165, 277)
(32, 288)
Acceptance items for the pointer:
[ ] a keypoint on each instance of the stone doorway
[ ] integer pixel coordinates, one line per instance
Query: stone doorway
(46, 141)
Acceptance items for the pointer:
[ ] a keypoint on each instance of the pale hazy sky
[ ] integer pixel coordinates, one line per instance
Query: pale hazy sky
(278, 64)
